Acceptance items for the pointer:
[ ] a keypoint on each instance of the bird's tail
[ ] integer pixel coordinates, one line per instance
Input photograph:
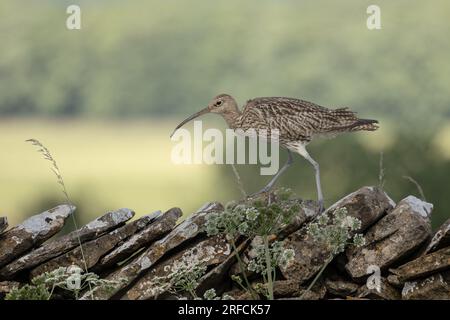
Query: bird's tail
(364, 125)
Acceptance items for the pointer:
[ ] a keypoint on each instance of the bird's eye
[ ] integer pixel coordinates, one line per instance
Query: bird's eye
(218, 103)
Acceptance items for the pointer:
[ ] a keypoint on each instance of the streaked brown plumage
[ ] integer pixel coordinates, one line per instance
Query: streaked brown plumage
(297, 121)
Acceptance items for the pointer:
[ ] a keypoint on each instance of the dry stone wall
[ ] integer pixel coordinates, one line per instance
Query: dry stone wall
(413, 262)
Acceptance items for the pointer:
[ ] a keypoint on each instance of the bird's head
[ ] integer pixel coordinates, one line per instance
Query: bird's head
(222, 104)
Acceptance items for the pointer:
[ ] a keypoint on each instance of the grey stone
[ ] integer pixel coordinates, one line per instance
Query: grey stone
(440, 239)
(186, 230)
(238, 294)
(218, 276)
(384, 292)
(286, 288)
(32, 232)
(421, 267)
(283, 289)
(308, 210)
(435, 287)
(155, 230)
(211, 251)
(317, 292)
(340, 287)
(393, 238)
(367, 204)
(56, 247)
(90, 252)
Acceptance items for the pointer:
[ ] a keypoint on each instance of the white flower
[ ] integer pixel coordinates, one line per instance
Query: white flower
(210, 294)
(252, 214)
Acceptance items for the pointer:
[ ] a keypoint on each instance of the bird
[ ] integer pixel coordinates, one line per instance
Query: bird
(297, 122)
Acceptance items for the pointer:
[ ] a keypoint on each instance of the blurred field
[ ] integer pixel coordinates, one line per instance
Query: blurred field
(106, 165)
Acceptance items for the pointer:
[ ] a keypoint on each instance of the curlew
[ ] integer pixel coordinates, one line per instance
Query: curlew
(297, 123)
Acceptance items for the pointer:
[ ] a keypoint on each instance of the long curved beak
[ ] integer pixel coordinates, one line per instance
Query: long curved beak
(198, 114)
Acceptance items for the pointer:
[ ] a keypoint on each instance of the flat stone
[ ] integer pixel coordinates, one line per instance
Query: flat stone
(238, 294)
(212, 251)
(308, 210)
(441, 238)
(186, 230)
(317, 292)
(218, 276)
(283, 289)
(367, 204)
(56, 247)
(385, 292)
(393, 238)
(92, 250)
(155, 230)
(421, 267)
(286, 288)
(435, 287)
(3, 224)
(32, 232)
(340, 287)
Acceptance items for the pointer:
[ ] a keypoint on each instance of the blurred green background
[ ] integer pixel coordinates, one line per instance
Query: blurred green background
(104, 99)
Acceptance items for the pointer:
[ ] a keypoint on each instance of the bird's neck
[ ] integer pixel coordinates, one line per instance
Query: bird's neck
(232, 117)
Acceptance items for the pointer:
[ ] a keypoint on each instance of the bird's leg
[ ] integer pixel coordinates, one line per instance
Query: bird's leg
(302, 151)
(269, 186)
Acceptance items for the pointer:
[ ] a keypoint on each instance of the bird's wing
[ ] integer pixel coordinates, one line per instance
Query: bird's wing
(295, 118)
(282, 103)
